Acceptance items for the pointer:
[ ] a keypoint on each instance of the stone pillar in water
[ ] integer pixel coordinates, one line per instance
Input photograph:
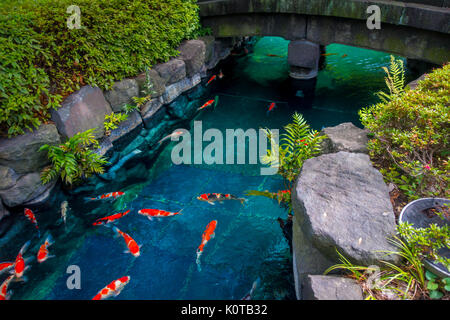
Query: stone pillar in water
(303, 57)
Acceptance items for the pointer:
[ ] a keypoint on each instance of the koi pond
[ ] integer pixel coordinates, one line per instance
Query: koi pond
(248, 243)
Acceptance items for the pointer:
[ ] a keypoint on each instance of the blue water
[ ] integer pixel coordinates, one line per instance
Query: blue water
(248, 242)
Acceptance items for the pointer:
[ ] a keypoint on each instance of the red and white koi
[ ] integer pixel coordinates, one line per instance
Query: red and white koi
(112, 289)
(110, 196)
(111, 218)
(207, 235)
(6, 266)
(4, 293)
(207, 104)
(43, 253)
(156, 213)
(30, 216)
(211, 80)
(172, 135)
(212, 197)
(19, 264)
(132, 246)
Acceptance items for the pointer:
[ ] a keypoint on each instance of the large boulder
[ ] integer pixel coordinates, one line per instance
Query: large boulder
(8, 177)
(341, 202)
(21, 153)
(175, 89)
(157, 83)
(122, 93)
(27, 190)
(82, 110)
(192, 52)
(209, 47)
(344, 137)
(317, 287)
(172, 71)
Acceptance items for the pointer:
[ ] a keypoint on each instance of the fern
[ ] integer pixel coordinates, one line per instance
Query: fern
(395, 80)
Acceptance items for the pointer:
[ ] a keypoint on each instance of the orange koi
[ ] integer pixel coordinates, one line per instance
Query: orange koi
(133, 247)
(111, 218)
(208, 103)
(208, 234)
(4, 293)
(112, 289)
(211, 79)
(19, 264)
(328, 54)
(271, 107)
(110, 196)
(30, 216)
(43, 250)
(155, 213)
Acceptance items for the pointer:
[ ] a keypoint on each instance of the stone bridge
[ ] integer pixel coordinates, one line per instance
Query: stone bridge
(416, 29)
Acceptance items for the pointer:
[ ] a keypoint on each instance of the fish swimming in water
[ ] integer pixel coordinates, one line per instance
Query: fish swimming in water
(4, 293)
(274, 55)
(43, 250)
(344, 55)
(172, 135)
(5, 266)
(132, 246)
(110, 196)
(211, 79)
(209, 102)
(110, 219)
(328, 54)
(20, 264)
(271, 107)
(112, 289)
(64, 209)
(212, 197)
(249, 294)
(221, 75)
(30, 216)
(156, 213)
(207, 235)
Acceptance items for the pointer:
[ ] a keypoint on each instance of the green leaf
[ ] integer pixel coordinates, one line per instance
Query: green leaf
(436, 294)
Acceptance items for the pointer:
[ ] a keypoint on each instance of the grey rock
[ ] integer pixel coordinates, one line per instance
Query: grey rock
(122, 93)
(178, 107)
(105, 146)
(345, 137)
(303, 57)
(21, 153)
(155, 113)
(3, 211)
(341, 202)
(413, 84)
(27, 189)
(133, 122)
(209, 47)
(158, 83)
(317, 287)
(85, 109)
(172, 71)
(192, 52)
(151, 106)
(174, 90)
(8, 177)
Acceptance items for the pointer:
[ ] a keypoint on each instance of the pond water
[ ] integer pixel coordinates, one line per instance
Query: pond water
(248, 242)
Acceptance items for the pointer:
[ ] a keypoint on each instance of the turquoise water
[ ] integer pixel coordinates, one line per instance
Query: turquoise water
(248, 241)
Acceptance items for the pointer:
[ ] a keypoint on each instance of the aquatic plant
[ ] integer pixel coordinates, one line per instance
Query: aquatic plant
(74, 160)
(410, 134)
(112, 121)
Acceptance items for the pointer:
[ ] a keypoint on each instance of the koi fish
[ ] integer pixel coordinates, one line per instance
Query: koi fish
(221, 75)
(211, 197)
(271, 107)
(30, 216)
(211, 79)
(64, 208)
(19, 264)
(344, 55)
(42, 254)
(274, 55)
(172, 135)
(112, 289)
(110, 196)
(207, 235)
(5, 266)
(4, 293)
(249, 294)
(133, 247)
(207, 104)
(111, 218)
(155, 213)
(328, 54)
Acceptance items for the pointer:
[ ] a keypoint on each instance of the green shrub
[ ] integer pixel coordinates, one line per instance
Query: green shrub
(411, 135)
(42, 60)
(112, 121)
(74, 160)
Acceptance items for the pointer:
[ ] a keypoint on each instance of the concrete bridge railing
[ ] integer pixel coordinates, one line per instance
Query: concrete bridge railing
(417, 29)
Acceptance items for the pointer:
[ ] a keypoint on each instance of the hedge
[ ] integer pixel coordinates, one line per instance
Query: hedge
(42, 60)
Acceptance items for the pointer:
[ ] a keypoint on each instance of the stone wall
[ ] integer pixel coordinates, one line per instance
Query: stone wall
(20, 159)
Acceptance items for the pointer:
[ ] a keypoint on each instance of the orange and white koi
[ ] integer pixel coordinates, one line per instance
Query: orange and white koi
(271, 107)
(212, 197)
(133, 247)
(30, 216)
(207, 235)
(156, 213)
(42, 254)
(172, 135)
(112, 289)
(110, 196)
(6, 266)
(19, 264)
(221, 75)
(207, 104)
(211, 79)
(4, 293)
(111, 218)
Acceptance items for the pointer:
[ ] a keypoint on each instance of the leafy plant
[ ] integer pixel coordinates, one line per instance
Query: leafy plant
(410, 134)
(395, 80)
(282, 196)
(112, 120)
(74, 160)
(437, 287)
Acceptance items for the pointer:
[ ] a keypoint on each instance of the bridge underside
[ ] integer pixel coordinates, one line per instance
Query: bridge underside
(420, 44)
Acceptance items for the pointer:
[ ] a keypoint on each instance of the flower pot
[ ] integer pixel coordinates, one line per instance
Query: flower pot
(413, 213)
